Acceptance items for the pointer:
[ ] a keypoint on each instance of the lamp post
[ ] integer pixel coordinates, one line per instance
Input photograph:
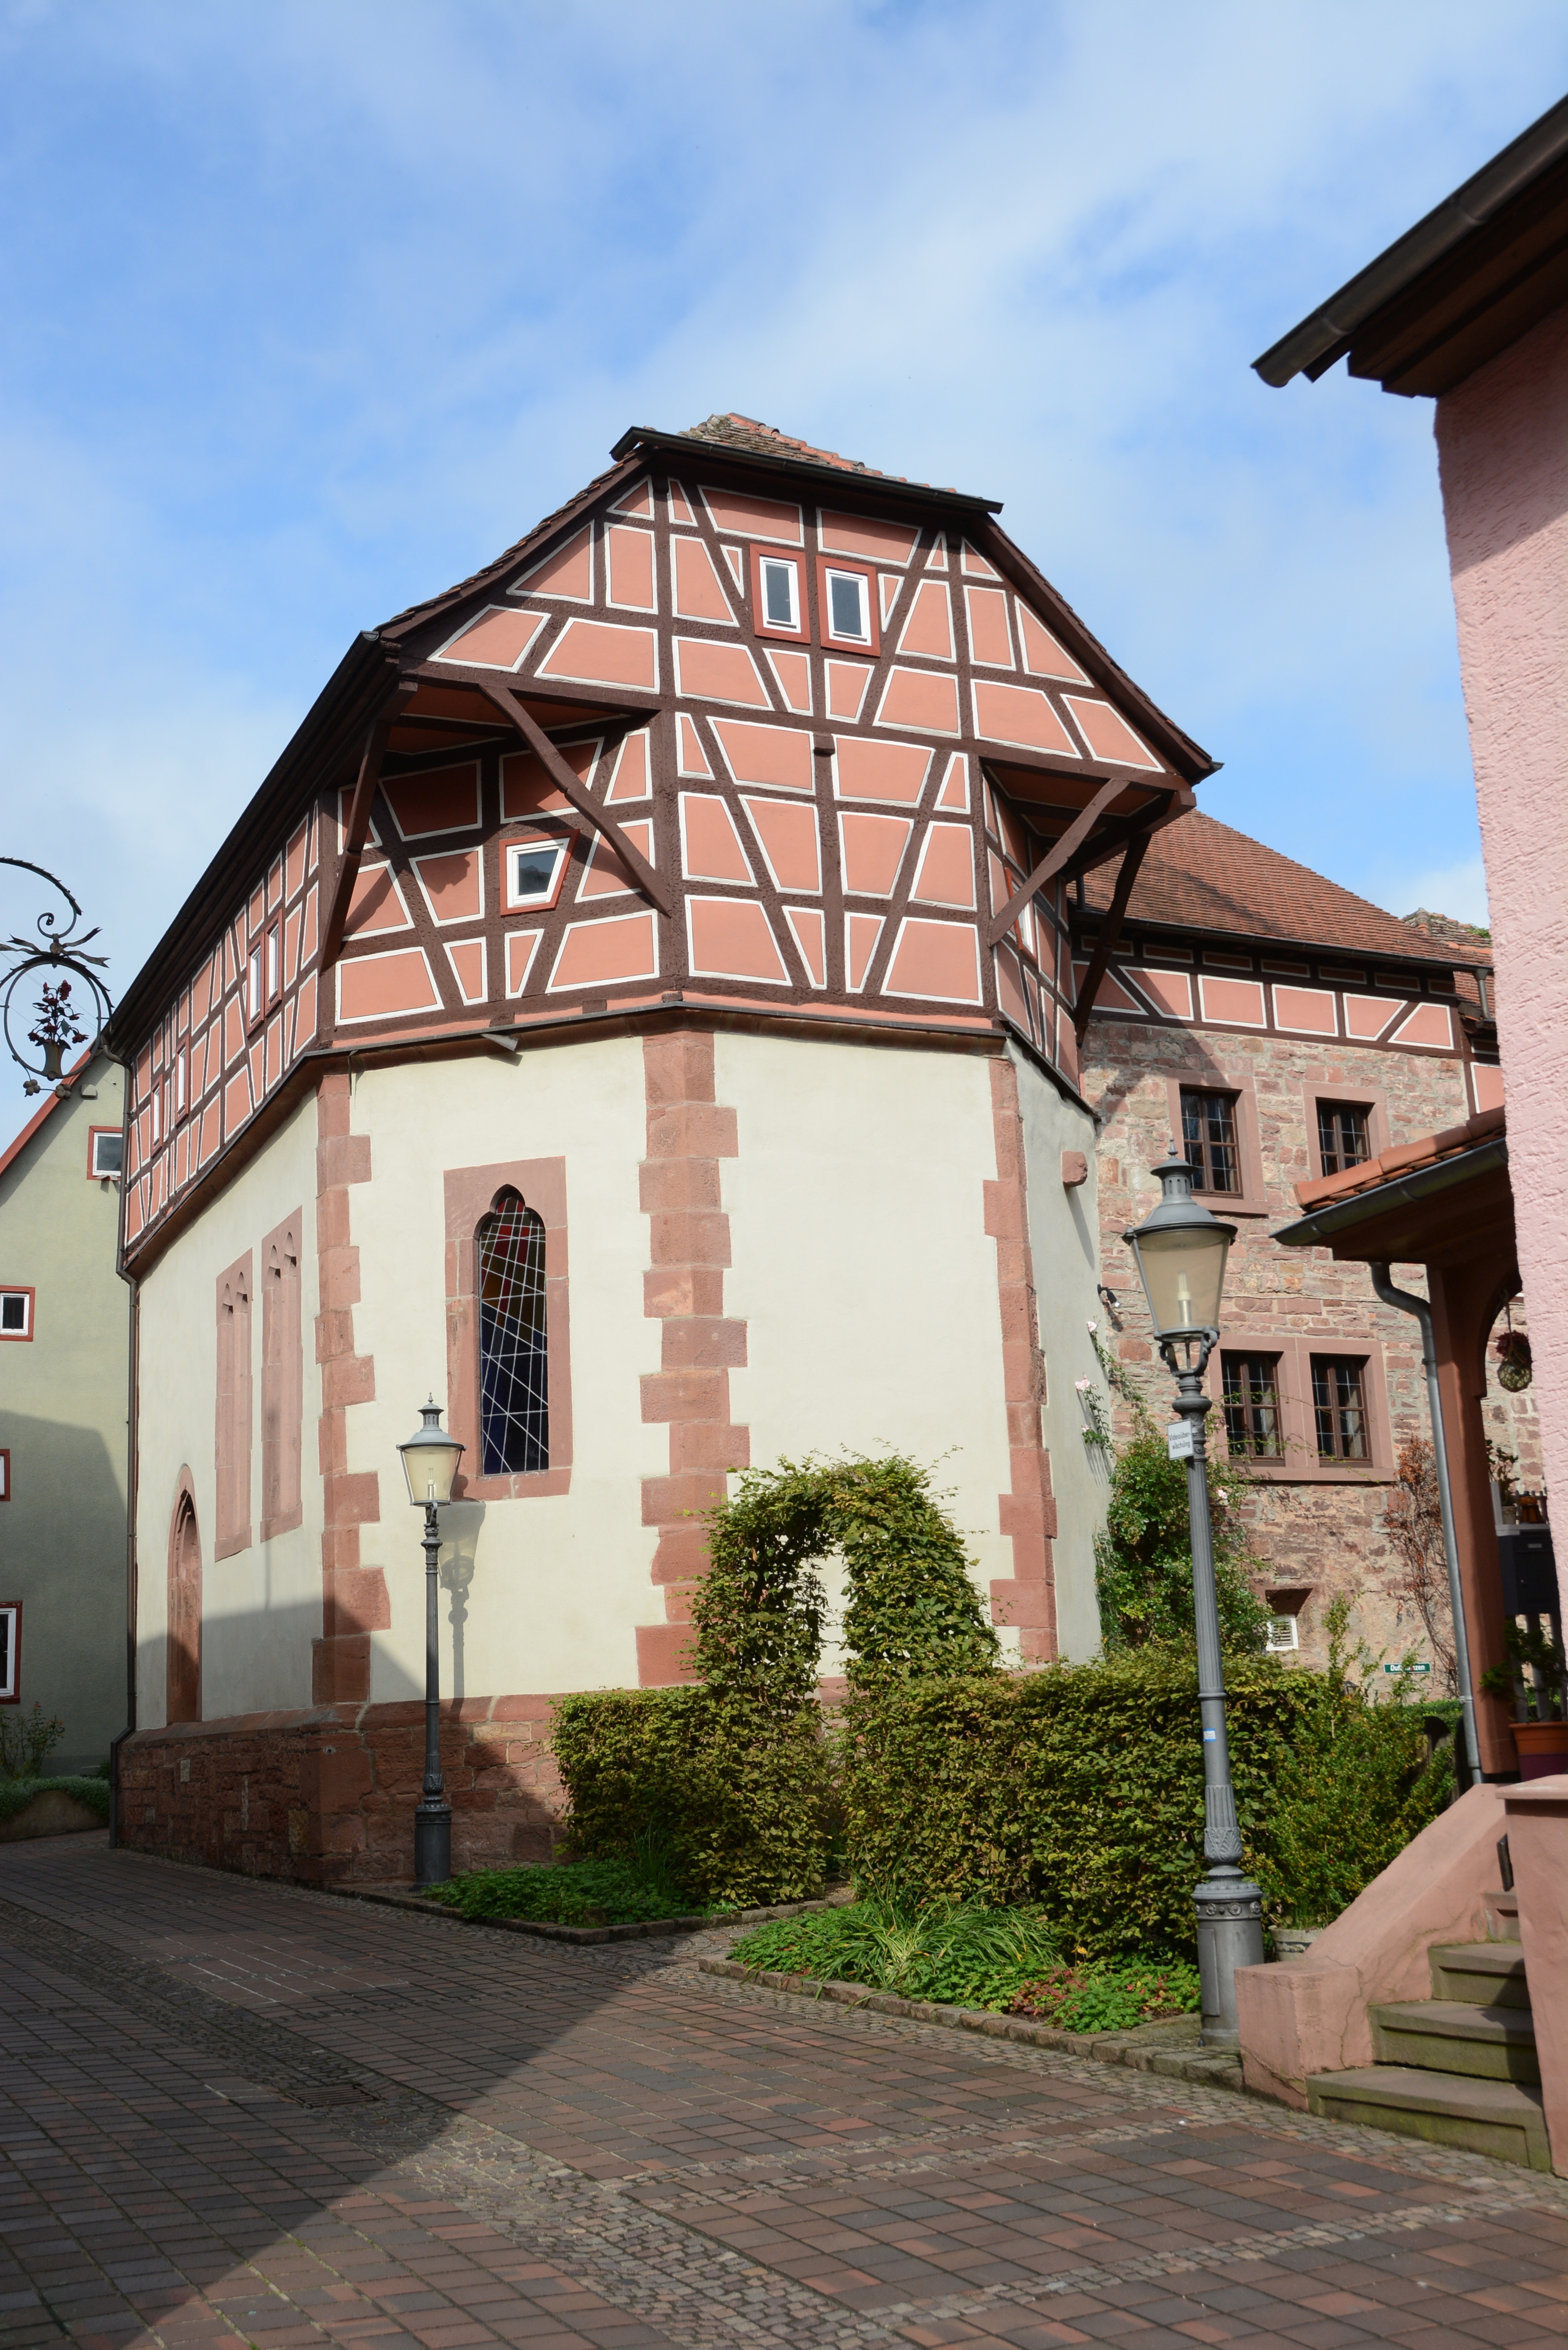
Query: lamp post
(1180, 1252)
(429, 1463)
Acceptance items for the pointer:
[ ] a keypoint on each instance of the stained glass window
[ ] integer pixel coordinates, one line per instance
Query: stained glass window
(513, 1372)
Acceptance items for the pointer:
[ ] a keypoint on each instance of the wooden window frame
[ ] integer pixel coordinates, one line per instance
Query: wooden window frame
(20, 1289)
(1358, 1366)
(1251, 1199)
(283, 1378)
(761, 625)
(866, 574)
(1251, 1354)
(1371, 1098)
(469, 1192)
(1299, 1463)
(97, 1174)
(13, 1695)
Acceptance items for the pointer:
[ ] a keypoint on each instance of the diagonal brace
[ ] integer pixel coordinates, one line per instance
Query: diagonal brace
(1050, 865)
(561, 774)
(1110, 931)
(359, 821)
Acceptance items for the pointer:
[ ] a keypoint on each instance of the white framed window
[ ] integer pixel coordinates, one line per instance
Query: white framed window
(16, 1312)
(781, 592)
(1283, 1635)
(255, 1002)
(533, 872)
(5, 1472)
(846, 612)
(179, 1082)
(10, 1648)
(105, 1152)
(274, 963)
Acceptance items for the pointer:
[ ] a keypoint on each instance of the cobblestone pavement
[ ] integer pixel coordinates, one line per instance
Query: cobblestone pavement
(244, 2113)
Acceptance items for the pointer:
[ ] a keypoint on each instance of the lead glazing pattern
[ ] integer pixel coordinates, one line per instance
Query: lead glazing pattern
(513, 1368)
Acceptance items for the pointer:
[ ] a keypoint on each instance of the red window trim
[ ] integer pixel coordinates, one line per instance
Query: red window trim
(20, 1289)
(763, 628)
(5, 1472)
(93, 1133)
(542, 839)
(827, 563)
(13, 1608)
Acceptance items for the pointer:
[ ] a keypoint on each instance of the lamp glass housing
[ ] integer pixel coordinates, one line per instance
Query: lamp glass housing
(430, 1459)
(1183, 1273)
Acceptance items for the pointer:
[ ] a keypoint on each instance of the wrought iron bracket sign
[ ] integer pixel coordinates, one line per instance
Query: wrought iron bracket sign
(58, 1020)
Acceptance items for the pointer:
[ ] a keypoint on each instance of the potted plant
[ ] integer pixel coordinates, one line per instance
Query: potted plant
(1541, 1735)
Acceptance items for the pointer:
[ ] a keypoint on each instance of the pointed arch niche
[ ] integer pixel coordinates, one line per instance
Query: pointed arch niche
(183, 1674)
(509, 1375)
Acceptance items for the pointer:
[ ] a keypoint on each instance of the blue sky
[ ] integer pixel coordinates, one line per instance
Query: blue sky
(311, 308)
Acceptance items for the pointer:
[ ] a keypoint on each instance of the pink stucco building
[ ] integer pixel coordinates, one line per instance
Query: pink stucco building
(1470, 309)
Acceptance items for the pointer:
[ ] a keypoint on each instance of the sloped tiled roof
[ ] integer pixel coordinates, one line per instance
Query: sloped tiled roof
(744, 432)
(1472, 941)
(1200, 875)
(1402, 1158)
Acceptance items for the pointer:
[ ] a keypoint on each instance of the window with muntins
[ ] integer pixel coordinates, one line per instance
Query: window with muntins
(1252, 1392)
(1339, 1407)
(1342, 1137)
(1209, 1139)
(514, 1363)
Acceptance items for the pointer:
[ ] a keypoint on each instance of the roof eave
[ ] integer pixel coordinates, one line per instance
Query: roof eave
(1325, 336)
(1325, 1224)
(647, 440)
(1265, 939)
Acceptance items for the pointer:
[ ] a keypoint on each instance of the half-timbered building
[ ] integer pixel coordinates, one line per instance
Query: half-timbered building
(639, 1006)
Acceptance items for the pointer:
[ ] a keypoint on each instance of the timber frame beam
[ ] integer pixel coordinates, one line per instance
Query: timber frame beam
(1110, 931)
(1055, 858)
(359, 821)
(583, 801)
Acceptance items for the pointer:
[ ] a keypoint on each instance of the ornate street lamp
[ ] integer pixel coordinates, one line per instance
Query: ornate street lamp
(429, 1463)
(1180, 1252)
(60, 955)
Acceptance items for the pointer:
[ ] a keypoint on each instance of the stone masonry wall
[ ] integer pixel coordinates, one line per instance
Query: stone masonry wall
(327, 1795)
(1313, 1530)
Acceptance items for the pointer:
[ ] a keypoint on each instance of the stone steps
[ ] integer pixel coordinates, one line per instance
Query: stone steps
(1458, 2069)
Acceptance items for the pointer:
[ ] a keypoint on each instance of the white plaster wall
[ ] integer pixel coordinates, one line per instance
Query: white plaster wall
(261, 1609)
(559, 1583)
(862, 1267)
(1064, 1234)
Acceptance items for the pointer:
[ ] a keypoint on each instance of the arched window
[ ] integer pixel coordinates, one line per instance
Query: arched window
(184, 1668)
(513, 1372)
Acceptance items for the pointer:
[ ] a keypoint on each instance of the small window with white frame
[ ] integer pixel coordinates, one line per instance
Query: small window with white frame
(776, 602)
(106, 1153)
(273, 964)
(10, 1651)
(849, 610)
(15, 1314)
(255, 982)
(533, 873)
(5, 1472)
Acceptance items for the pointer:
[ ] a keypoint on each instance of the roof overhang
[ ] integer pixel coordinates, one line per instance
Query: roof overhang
(1476, 273)
(692, 448)
(1446, 1209)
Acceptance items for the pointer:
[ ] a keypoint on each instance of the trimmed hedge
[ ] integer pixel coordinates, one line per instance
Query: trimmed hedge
(1079, 1790)
(735, 1800)
(16, 1795)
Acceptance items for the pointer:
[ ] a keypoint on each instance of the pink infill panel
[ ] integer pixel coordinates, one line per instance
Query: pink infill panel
(881, 771)
(928, 630)
(787, 832)
(594, 652)
(698, 590)
(731, 938)
(779, 755)
(1042, 655)
(568, 573)
(1021, 714)
(1108, 735)
(867, 535)
(936, 958)
(498, 638)
(922, 698)
(714, 672)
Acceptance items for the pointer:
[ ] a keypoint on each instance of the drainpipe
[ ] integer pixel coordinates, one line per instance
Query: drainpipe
(1407, 1302)
(132, 1465)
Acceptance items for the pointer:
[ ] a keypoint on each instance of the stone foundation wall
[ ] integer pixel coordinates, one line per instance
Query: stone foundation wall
(327, 1795)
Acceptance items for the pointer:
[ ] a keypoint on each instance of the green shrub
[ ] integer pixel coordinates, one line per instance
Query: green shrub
(736, 1794)
(16, 1795)
(966, 1954)
(26, 1741)
(575, 1893)
(1143, 1555)
(1078, 1791)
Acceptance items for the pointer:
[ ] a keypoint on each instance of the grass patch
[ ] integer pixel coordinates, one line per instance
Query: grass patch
(614, 1892)
(16, 1795)
(967, 1954)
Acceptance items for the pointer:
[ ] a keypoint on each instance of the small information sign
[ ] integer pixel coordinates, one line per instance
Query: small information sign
(1178, 1439)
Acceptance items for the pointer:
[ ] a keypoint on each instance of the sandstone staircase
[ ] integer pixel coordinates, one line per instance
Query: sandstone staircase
(1459, 2068)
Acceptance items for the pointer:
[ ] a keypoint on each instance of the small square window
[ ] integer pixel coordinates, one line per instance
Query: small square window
(534, 871)
(108, 1151)
(781, 592)
(1283, 1634)
(16, 1312)
(847, 620)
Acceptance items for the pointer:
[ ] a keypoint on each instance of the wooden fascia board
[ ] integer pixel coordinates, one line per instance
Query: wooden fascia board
(1191, 762)
(588, 808)
(328, 737)
(1278, 943)
(691, 451)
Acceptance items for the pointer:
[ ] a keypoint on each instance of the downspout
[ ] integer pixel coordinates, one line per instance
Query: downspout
(1406, 1302)
(133, 1351)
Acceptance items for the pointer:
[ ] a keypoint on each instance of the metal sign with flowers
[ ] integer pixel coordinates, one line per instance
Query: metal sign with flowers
(61, 1019)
